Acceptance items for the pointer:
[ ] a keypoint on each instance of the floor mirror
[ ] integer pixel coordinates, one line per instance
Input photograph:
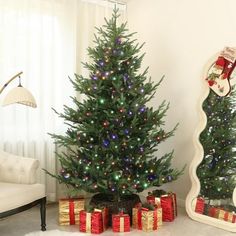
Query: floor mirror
(212, 198)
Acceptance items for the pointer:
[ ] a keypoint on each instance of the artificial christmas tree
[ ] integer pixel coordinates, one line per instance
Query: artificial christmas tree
(113, 135)
(217, 169)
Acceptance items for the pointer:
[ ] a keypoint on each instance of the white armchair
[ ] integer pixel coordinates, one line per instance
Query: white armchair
(18, 188)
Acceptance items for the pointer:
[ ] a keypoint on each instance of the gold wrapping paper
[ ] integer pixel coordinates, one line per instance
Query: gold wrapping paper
(157, 201)
(159, 217)
(122, 224)
(135, 218)
(64, 210)
(64, 219)
(64, 206)
(224, 215)
(147, 221)
(220, 214)
(88, 222)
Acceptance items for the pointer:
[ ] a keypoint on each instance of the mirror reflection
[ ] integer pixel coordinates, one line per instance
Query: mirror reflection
(217, 171)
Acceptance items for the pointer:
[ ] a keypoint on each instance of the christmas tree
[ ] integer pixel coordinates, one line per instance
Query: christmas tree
(112, 136)
(216, 172)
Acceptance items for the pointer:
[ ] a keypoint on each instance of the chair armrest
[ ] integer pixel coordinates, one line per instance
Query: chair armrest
(17, 169)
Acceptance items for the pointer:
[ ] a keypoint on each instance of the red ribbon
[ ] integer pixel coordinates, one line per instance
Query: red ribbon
(139, 219)
(72, 212)
(155, 219)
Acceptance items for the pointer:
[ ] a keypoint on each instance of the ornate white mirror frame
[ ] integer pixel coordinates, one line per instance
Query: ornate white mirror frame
(198, 157)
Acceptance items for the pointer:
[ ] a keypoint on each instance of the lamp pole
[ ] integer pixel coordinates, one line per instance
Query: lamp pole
(9, 81)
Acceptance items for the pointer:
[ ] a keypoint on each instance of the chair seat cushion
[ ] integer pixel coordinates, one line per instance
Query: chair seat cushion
(15, 195)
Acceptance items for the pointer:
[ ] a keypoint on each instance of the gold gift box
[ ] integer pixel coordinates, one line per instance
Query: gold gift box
(224, 215)
(148, 223)
(64, 210)
(64, 219)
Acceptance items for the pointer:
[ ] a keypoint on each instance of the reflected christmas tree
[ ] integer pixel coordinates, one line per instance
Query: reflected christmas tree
(217, 171)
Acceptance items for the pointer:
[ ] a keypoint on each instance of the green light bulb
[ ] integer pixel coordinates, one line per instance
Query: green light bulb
(101, 101)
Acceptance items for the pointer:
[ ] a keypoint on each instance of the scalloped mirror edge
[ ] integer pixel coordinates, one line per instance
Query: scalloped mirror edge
(198, 157)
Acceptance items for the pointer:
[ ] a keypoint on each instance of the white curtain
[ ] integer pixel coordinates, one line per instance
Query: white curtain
(47, 40)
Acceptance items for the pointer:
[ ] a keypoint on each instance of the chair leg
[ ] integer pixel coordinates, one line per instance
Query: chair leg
(43, 213)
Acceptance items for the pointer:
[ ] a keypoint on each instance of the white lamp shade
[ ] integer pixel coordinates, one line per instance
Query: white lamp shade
(20, 95)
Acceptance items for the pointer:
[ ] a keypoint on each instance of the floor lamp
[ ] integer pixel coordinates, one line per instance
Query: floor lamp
(19, 94)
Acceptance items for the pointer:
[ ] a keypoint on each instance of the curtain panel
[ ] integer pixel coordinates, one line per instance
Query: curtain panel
(47, 40)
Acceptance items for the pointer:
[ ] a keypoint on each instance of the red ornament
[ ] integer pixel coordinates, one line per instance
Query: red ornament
(105, 124)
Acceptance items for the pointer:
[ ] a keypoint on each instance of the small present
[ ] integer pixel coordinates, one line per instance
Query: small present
(151, 218)
(200, 205)
(213, 211)
(147, 217)
(169, 207)
(69, 210)
(105, 216)
(167, 201)
(225, 215)
(91, 222)
(121, 222)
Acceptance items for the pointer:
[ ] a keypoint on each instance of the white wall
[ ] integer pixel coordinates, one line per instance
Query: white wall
(180, 36)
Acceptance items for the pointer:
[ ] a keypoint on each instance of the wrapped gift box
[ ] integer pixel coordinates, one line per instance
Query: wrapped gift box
(169, 207)
(91, 222)
(105, 216)
(121, 222)
(212, 211)
(69, 210)
(147, 219)
(200, 205)
(167, 201)
(137, 216)
(225, 215)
